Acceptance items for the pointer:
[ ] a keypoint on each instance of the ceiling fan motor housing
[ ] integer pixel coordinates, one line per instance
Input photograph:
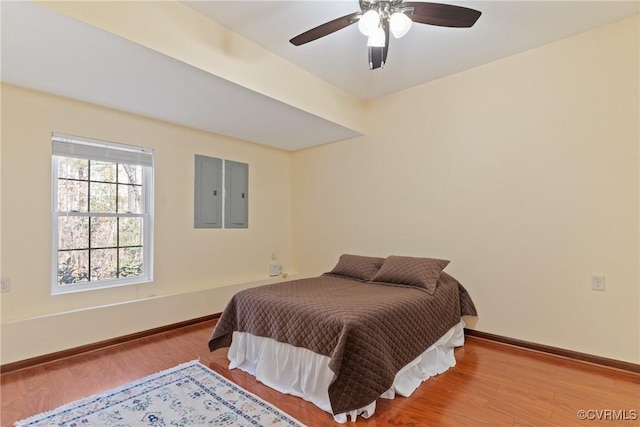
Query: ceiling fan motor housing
(385, 7)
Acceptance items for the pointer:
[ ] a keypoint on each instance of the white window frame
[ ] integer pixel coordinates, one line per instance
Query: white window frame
(91, 149)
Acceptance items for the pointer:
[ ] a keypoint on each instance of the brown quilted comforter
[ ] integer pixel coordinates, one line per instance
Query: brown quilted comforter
(368, 330)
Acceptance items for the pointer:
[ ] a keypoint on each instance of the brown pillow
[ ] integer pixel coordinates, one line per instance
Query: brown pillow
(404, 270)
(357, 266)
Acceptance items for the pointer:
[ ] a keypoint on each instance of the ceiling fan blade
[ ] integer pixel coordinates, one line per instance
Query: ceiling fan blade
(324, 29)
(443, 15)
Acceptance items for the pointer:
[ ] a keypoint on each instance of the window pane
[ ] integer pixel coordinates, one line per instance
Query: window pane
(72, 168)
(103, 198)
(130, 174)
(130, 198)
(103, 264)
(103, 232)
(73, 267)
(130, 232)
(131, 262)
(103, 171)
(72, 196)
(73, 232)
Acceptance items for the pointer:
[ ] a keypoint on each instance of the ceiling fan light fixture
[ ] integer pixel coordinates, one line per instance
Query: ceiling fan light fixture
(369, 21)
(399, 24)
(377, 38)
(378, 18)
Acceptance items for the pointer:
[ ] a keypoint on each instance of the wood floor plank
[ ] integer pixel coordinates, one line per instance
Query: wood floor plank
(539, 399)
(521, 411)
(492, 384)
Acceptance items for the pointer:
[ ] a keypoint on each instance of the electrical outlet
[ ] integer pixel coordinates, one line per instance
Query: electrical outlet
(597, 283)
(5, 284)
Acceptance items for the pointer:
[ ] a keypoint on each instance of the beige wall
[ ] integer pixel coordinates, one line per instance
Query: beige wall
(523, 172)
(186, 260)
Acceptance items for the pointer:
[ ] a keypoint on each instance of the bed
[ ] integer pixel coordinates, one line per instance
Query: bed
(369, 328)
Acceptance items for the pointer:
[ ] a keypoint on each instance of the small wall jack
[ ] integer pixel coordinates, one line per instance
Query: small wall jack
(5, 284)
(597, 283)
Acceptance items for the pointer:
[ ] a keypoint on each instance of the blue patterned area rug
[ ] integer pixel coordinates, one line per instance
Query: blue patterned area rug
(188, 395)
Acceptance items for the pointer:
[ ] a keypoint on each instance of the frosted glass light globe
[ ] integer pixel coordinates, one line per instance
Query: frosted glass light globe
(369, 22)
(377, 38)
(399, 24)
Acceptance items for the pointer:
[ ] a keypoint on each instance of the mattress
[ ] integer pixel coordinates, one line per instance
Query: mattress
(301, 372)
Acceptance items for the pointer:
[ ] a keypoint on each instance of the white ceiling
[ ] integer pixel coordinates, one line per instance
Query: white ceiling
(426, 53)
(47, 51)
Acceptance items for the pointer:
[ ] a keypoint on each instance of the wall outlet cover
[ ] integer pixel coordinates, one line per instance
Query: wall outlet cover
(597, 283)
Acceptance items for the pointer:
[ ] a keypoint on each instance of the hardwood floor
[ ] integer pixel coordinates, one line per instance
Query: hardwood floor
(492, 385)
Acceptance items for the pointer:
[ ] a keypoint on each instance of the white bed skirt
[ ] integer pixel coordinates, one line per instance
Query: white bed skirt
(303, 373)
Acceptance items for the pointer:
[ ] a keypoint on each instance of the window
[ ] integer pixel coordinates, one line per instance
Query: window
(102, 213)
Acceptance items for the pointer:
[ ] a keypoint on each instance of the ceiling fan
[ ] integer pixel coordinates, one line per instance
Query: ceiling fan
(379, 17)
